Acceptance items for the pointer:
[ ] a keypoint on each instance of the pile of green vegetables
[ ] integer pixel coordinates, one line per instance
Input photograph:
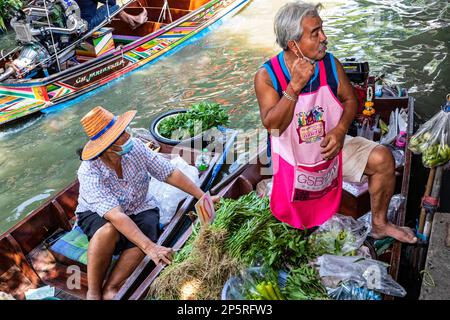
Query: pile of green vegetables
(433, 154)
(432, 140)
(251, 236)
(199, 118)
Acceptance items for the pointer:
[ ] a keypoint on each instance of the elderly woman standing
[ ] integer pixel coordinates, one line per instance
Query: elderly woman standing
(113, 208)
(308, 104)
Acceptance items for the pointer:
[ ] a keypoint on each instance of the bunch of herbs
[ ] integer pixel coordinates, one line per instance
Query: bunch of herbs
(199, 118)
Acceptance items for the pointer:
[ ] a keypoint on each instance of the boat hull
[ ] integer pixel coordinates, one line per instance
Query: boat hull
(18, 100)
(246, 179)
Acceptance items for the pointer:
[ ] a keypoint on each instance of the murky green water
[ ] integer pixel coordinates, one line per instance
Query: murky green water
(408, 40)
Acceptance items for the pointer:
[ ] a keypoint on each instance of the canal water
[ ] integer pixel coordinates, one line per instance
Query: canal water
(407, 40)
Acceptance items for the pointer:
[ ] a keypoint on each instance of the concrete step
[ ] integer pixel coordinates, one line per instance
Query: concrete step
(436, 279)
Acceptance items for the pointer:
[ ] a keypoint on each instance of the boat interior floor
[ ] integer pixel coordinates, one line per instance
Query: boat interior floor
(178, 9)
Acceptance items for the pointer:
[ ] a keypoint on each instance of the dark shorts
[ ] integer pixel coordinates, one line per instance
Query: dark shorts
(147, 221)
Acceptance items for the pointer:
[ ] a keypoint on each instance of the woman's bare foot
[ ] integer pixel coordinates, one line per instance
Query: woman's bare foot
(402, 234)
(93, 296)
(109, 294)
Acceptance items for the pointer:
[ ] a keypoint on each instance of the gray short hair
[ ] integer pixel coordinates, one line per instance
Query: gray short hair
(288, 21)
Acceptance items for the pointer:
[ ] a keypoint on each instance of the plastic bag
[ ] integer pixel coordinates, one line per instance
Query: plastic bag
(255, 283)
(350, 290)
(169, 196)
(264, 187)
(398, 155)
(394, 205)
(389, 137)
(341, 235)
(364, 272)
(432, 140)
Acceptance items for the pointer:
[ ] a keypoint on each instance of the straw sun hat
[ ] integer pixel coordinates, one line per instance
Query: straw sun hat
(103, 128)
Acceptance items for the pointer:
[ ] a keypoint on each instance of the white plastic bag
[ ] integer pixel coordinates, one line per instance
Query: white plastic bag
(365, 272)
(393, 129)
(169, 196)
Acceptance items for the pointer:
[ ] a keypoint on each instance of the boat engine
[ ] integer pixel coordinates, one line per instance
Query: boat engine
(43, 29)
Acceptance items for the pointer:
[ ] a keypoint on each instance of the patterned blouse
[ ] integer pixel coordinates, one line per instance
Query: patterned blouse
(101, 189)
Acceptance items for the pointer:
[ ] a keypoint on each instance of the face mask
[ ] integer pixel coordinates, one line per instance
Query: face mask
(126, 147)
(306, 58)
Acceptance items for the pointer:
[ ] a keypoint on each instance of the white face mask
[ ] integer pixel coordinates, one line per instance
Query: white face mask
(306, 58)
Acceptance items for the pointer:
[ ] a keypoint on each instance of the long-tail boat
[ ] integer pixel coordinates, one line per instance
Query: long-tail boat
(26, 261)
(247, 177)
(104, 54)
(27, 258)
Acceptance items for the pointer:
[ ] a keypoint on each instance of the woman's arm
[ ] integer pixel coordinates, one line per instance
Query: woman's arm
(179, 180)
(131, 231)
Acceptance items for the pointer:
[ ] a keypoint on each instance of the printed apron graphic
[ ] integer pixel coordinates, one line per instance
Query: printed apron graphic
(314, 183)
(311, 126)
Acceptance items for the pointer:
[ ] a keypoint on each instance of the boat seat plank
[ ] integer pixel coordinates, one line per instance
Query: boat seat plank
(65, 223)
(154, 13)
(34, 230)
(68, 199)
(122, 28)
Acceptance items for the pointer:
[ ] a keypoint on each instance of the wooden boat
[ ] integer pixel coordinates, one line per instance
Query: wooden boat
(247, 177)
(132, 49)
(27, 261)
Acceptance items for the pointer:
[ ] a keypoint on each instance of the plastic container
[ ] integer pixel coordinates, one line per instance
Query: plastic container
(202, 160)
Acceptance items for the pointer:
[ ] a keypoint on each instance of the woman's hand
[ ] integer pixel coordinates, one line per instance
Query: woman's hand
(160, 254)
(215, 199)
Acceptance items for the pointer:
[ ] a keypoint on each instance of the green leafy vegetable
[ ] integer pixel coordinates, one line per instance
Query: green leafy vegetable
(199, 118)
(303, 283)
(7, 8)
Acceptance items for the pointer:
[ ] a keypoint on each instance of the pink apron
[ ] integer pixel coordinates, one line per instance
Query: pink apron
(306, 189)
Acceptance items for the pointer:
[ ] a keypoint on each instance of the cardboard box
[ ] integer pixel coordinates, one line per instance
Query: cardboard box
(101, 42)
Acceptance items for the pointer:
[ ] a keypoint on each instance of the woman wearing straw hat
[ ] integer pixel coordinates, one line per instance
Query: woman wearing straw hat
(114, 210)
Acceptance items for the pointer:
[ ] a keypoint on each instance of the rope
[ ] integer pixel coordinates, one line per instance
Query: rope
(51, 35)
(107, 10)
(163, 12)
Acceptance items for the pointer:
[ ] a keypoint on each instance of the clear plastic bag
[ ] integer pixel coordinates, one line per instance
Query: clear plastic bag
(255, 283)
(341, 235)
(350, 290)
(394, 205)
(432, 140)
(369, 273)
(169, 196)
(264, 187)
(399, 156)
